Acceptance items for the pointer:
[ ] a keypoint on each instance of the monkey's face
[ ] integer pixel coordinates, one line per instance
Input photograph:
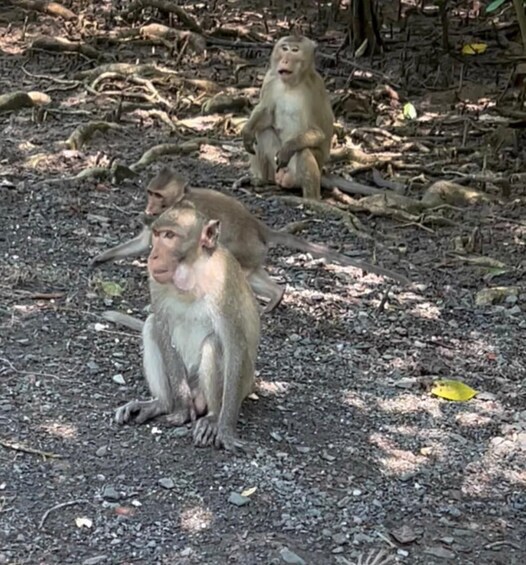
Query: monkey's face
(291, 58)
(162, 197)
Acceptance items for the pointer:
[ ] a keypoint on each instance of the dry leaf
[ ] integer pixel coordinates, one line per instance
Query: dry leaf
(249, 491)
(453, 390)
(474, 48)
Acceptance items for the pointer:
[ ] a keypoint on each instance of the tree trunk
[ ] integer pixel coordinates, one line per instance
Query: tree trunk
(364, 25)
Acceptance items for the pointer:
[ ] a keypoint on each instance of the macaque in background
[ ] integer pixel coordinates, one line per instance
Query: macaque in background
(200, 340)
(246, 237)
(289, 132)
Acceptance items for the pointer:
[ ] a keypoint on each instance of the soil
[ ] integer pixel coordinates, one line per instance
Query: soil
(351, 453)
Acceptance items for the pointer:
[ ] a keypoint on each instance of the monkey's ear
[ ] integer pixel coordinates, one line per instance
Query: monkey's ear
(210, 234)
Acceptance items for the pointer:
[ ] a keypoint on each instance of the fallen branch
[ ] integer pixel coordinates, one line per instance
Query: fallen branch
(31, 450)
(19, 100)
(51, 8)
(58, 507)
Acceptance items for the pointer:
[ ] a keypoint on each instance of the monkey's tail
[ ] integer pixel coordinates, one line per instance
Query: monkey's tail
(294, 242)
(123, 320)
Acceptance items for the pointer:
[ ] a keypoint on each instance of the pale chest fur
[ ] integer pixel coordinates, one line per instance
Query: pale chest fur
(290, 116)
(190, 326)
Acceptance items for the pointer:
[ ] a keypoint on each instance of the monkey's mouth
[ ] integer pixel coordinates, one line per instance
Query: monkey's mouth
(284, 72)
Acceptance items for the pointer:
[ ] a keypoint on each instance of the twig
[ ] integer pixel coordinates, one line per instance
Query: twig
(58, 507)
(31, 450)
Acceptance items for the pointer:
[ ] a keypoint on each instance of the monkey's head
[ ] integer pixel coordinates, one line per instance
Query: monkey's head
(166, 189)
(180, 236)
(292, 57)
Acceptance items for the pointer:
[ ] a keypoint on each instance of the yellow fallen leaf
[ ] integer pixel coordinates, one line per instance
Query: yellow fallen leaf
(409, 111)
(474, 48)
(111, 288)
(453, 390)
(249, 491)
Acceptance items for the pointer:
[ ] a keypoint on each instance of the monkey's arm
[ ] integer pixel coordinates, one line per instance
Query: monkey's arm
(310, 139)
(131, 248)
(260, 119)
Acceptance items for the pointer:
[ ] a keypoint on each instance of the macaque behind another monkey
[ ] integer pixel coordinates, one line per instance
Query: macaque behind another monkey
(245, 236)
(289, 132)
(201, 339)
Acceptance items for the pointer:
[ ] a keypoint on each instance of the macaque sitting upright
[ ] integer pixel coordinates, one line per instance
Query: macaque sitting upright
(200, 341)
(292, 125)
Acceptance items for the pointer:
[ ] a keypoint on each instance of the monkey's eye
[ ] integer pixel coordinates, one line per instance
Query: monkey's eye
(285, 48)
(294, 49)
(169, 234)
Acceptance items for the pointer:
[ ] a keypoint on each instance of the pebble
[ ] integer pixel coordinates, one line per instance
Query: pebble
(290, 557)
(238, 500)
(118, 379)
(440, 552)
(101, 452)
(110, 494)
(166, 483)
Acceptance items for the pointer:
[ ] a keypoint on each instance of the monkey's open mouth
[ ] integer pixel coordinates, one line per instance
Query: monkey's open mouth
(282, 72)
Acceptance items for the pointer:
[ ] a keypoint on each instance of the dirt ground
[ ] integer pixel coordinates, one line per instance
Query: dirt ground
(350, 451)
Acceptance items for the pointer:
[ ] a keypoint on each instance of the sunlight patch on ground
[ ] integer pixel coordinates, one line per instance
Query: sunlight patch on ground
(213, 154)
(195, 519)
(396, 460)
(410, 404)
(60, 429)
(272, 388)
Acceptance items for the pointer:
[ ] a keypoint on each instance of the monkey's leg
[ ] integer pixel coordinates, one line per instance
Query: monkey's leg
(302, 171)
(132, 248)
(262, 164)
(161, 388)
(211, 387)
(263, 285)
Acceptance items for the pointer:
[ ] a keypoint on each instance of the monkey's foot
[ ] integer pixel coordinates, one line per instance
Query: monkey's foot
(205, 431)
(284, 179)
(181, 417)
(138, 410)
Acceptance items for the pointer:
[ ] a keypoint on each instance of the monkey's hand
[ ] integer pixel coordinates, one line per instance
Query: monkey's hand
(249, 139)
(284, 155)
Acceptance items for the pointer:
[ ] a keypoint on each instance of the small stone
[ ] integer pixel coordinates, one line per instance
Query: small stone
(95, 560)
(238, 500)
(339, 539)
(92, 366)
(338, 549)
(327, 457)
(403, 534)
(290, 557)
(515, 310)
(303, 449)
(276, 436)
(356, 492)
(440, 552)
(101, 452)
(186, 552)
(110, 494)
(448, 540)
(166, 483)
(486, 396)
(118, 379)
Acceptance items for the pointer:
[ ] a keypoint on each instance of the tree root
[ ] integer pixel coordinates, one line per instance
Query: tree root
(351, 222)
(158, 31)
(51, 8)
(18, 100)
(167, 6)
(85, 132)
(223, 103)
(61, 44)
(154, 153)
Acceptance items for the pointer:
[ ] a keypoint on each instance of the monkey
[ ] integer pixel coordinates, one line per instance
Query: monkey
(244, 235)
(201, 338)
(292, 125)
